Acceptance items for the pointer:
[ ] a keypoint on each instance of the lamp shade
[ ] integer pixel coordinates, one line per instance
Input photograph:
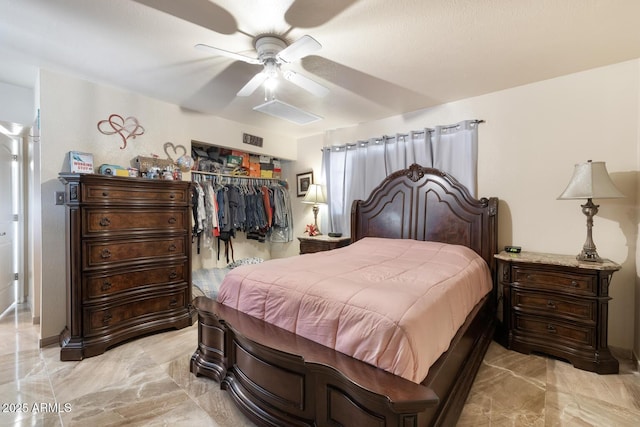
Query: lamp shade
(315, 195)
(590, 180)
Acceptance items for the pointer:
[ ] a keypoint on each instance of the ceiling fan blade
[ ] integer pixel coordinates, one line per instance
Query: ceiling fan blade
(300, 48)
(253, 84)
(202, 13)
(306, 83)
(222, 52)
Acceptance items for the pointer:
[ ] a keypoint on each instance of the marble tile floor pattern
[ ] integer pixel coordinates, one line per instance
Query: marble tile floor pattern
(147, 382)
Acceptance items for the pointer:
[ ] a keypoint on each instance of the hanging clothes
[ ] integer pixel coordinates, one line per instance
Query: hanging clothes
(225, 205)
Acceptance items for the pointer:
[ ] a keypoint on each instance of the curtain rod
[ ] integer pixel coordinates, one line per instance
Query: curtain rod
(430, 130)
(417, 132)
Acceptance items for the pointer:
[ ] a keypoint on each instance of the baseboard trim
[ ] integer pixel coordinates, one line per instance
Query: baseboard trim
(46, 342)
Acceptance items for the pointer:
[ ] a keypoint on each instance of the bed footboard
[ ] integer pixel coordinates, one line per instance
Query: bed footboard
(263, 369)
(280, 379)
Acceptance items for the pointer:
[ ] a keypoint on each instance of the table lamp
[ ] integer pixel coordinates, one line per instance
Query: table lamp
(590, 180)
(315, 195)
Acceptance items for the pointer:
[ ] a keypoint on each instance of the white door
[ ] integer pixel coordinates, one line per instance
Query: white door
(7, 224)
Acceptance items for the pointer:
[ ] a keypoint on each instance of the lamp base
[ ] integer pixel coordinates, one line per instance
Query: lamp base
(589, 256)
(589, 248)
(316, 209)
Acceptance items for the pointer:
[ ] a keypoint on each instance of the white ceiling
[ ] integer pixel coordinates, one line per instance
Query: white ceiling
(379, 58)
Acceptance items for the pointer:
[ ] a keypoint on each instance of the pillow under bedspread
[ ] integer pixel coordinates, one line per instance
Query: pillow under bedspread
(393, 303)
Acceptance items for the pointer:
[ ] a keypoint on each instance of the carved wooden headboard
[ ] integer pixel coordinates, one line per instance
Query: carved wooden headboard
(427, 204)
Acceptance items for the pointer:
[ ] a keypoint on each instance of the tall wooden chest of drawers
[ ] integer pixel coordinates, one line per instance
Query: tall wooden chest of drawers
(557, 305)
(128, 260)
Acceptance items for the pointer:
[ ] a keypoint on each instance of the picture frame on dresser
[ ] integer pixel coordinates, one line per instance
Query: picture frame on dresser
(303, 181)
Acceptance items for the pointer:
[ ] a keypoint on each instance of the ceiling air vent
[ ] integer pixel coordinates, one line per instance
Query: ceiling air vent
(288, 112)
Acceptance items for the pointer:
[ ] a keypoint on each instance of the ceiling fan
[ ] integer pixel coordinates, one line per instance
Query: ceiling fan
(272, 53)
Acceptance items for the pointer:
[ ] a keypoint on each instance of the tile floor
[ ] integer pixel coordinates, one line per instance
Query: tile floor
(145, 383)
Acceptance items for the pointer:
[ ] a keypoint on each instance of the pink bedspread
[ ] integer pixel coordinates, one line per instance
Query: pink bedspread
(393, 303)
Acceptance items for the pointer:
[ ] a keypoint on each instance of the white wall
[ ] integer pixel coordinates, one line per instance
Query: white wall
(309, 160)
(636, 347)
(532, 137)
(16, 104)
(70, 110)
(34, 246)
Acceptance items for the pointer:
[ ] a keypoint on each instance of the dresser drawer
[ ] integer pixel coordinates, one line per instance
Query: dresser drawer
(579, 309)
(543, 279)
(549, 331)
(99, 221)
(115, 316)
(107, 285)
(102, 253)
(129, 193)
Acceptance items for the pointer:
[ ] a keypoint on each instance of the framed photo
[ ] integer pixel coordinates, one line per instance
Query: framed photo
(304, 180)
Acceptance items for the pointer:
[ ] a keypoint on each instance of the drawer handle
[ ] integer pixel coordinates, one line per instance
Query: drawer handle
(172, 248)
(106, 285)
(552, 329)
(105, 193)
(105, 222)
(551, 304)
(172, 196)
(574, 284)
(173, 275)
(173, 303)
(172, 220)
(106, 319)
(106, 253)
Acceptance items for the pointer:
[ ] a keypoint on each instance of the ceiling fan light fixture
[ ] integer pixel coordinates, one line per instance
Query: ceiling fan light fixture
(271, 83)
(282, 110)
(271, 69)
(272, 52)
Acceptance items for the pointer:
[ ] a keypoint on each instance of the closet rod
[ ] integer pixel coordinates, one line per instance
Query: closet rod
(224, 175)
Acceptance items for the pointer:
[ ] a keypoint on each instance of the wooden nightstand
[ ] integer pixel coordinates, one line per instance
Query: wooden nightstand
(321, 243)
(557, 305)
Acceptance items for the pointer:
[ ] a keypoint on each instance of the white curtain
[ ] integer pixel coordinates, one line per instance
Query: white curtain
(352, 171)
(455, 151)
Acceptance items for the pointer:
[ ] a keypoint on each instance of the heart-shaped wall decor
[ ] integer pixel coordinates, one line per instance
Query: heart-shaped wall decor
(126, 128)
(171, 151)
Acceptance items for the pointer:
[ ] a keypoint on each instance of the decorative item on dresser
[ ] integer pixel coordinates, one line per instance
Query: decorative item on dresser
(558, 305)
(321, 243)
(128, 260)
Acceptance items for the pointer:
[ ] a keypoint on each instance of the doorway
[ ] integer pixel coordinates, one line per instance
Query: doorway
(8, 221)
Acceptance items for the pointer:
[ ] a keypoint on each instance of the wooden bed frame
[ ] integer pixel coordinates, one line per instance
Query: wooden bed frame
(279, 379)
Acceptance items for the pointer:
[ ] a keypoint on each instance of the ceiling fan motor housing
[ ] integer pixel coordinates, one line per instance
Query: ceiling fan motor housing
(268, 47)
